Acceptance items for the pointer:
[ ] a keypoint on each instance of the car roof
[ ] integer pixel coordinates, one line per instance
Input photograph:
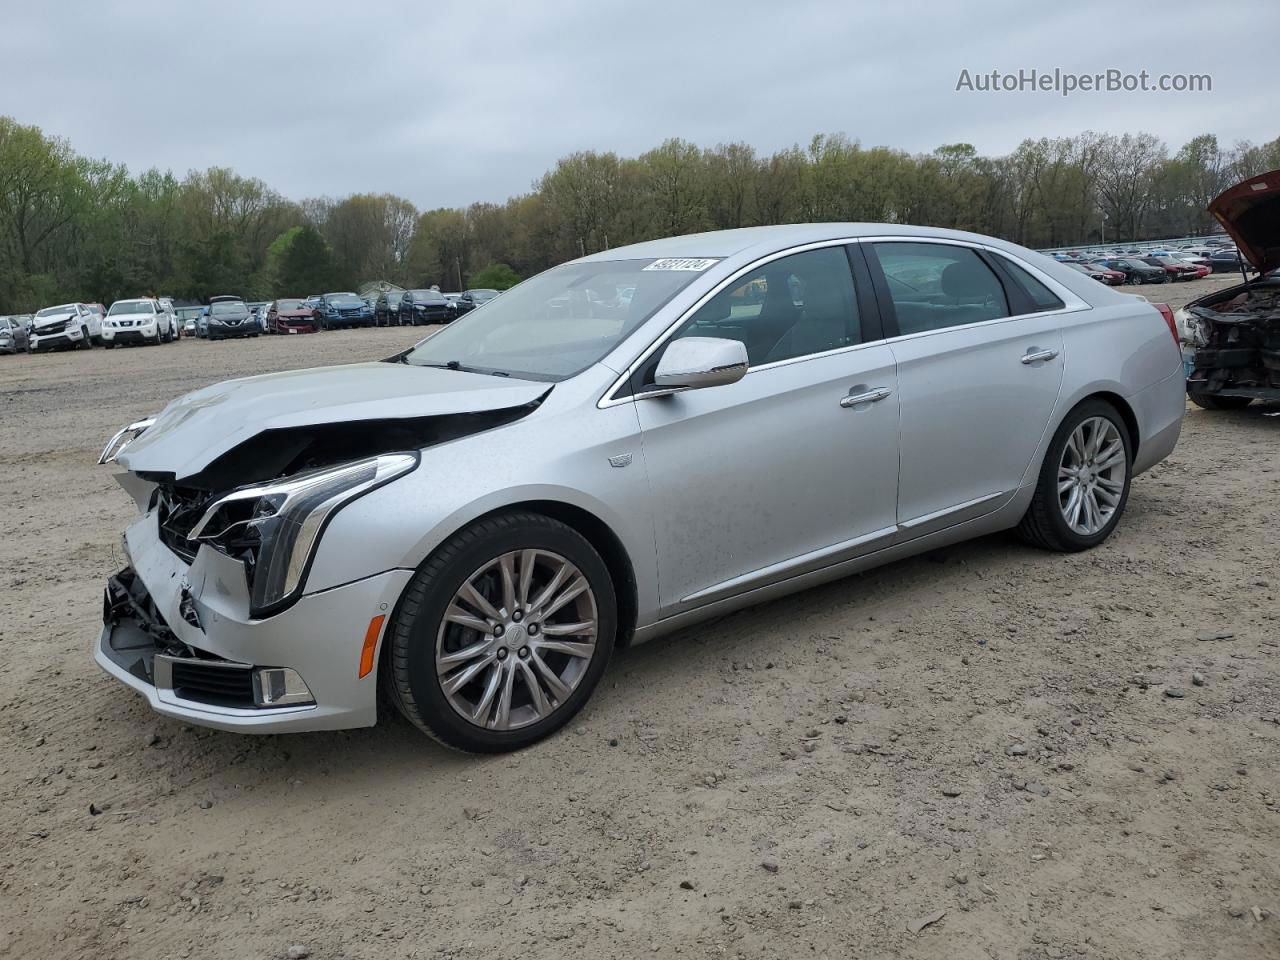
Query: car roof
(747, 240)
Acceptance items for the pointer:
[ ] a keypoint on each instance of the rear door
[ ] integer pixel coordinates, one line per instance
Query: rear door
(979, 370)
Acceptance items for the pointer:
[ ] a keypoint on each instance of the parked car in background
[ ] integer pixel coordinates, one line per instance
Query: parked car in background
(1136, 270)
(230, 318)
(1233, 335)
(1112, 278)
(258, 310)
(290, 316)
(133, 322)
(468, 300)
(346, 309)
(13, 334)
(1175, 268)
(66, 326)
(475, 527)
(424, 306)
(187, 317)
(1226, 261)
(387, 308)
(171, 329)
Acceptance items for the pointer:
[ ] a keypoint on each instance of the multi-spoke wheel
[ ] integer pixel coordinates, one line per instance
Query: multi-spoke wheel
(502, 634)
(1091, 475)
(1084, 481)
(517, 639)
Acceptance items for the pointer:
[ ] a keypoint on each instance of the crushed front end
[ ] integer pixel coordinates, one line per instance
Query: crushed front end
(179, 630)
(1236, 341)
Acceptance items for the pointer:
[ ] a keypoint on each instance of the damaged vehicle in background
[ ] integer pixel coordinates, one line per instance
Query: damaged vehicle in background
(1233, 335)
(476, 523)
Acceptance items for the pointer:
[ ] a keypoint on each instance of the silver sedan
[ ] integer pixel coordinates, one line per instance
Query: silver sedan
(623, 445)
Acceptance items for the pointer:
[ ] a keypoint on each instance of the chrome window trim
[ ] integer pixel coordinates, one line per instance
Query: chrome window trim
(1072, 303)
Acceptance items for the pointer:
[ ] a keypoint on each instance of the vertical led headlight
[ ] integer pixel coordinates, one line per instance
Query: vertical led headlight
(285, 519)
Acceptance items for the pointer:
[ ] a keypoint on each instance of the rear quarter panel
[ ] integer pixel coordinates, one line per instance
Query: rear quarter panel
(1125, 348)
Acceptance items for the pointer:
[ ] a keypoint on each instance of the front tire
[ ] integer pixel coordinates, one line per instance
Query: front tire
(1084, 481)
(502, 634)
(1209, 401)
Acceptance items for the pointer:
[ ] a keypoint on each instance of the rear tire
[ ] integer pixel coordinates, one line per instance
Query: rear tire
(1209, 401)
(418, 635)
(1046, 523)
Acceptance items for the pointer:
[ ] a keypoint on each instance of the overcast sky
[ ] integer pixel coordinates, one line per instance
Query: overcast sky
(446, 103)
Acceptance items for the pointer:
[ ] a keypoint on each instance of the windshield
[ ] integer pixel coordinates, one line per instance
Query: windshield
(55, 311)
(228, 310)
(130, 306)
(556, 324)
(426, 296)
(282, 305)
(480, 296)
(344, 300)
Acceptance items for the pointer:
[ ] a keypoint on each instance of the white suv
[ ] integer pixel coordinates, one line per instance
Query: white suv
(136, 321)
(66, 325)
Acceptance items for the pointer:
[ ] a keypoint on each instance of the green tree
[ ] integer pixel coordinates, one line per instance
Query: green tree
(496, 276)
(299, 263)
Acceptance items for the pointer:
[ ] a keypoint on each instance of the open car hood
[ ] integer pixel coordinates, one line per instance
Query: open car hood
(1250, 213)
(195, 430)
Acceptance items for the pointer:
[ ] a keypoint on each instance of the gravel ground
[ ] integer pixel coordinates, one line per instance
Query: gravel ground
(986, 751)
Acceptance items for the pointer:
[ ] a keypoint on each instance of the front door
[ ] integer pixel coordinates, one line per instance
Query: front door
(791, 468)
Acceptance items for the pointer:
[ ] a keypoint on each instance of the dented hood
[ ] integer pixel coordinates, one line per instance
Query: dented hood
(1250, 213)
(194, 430)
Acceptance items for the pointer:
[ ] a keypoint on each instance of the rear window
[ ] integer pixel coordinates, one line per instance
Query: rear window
(1041, 296)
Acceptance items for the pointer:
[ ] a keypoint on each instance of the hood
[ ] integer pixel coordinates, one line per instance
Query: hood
(133, 316)
(194, 430)
(1250, 213)
(55, 320)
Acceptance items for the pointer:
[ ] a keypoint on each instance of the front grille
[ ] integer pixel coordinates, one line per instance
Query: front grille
(213, 683)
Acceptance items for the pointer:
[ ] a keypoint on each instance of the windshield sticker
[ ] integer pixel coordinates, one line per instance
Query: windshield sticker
(695, 264)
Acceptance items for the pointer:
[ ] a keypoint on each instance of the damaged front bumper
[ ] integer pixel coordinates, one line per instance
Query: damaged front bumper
(181, 636)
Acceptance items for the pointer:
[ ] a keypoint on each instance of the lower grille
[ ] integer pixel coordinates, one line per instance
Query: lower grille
(214, 683)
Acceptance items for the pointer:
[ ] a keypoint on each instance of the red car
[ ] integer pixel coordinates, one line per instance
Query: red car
(1176, 269)
(290, 316)
(1112, 278)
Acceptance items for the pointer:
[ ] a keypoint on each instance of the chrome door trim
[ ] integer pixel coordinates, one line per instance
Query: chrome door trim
(939, 514)
(1072, 304)
(783, 569)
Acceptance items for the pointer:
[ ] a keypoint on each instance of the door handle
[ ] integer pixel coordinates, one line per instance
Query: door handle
(1039, 355)
(871, 396)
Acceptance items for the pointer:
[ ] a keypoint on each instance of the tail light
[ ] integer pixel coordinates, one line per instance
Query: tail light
(1167, 312)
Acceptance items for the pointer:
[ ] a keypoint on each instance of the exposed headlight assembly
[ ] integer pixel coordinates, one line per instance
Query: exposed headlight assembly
(273, 528)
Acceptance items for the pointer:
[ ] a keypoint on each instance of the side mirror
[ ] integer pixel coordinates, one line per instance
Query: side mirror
(695, 362)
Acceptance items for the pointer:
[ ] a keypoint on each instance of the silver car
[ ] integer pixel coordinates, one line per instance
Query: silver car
(623, 445)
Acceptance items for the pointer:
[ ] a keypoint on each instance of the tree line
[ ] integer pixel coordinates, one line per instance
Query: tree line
(78, 228)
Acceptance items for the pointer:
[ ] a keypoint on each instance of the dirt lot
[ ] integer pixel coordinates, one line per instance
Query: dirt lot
(1047, 756)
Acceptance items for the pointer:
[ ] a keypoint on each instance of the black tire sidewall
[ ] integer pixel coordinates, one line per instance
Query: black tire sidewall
(415, 636)
(1049, 474)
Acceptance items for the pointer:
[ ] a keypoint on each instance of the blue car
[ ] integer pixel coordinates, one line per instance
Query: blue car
(337, 310)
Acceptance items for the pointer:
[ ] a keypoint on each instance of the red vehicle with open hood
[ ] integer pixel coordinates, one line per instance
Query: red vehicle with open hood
(1235, 333)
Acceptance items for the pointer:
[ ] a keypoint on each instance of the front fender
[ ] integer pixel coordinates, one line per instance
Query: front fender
(399, 525)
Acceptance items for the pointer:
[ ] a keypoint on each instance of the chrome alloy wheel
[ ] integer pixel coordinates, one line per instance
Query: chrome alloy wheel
(516, 639)
(1091, 476)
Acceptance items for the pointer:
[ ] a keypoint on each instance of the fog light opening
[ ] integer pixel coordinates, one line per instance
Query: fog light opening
(279, 687)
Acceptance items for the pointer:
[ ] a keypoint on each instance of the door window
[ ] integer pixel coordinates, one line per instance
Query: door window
(934, 286)
(790, 307)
